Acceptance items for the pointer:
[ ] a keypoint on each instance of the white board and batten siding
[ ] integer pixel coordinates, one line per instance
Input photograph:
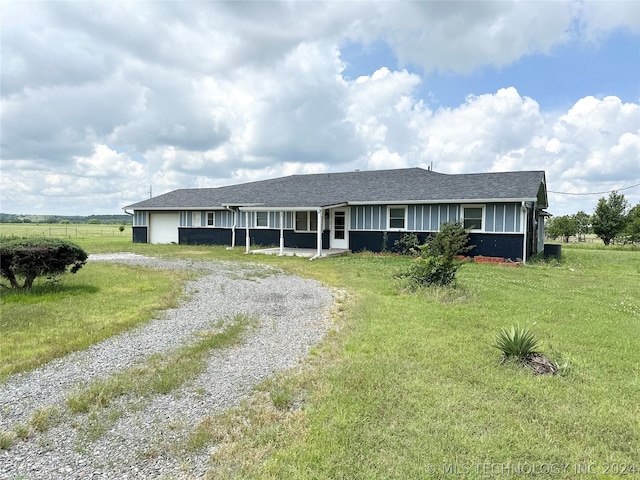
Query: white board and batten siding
(163, 227)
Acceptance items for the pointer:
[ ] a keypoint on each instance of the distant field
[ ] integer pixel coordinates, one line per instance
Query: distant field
(62, 230)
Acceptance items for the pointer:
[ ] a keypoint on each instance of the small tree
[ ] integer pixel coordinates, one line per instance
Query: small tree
(30, 258)
(583, 223)
(609, 218)
(436, 264)
(564, 227)
(93, 221)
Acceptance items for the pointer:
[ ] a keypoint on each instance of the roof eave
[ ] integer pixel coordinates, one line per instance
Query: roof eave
(446, 200)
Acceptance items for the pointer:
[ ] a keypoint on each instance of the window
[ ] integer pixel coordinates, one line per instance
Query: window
(210, 218)
(262, 219)
(306, 222)
(397, 217)
(472, 217)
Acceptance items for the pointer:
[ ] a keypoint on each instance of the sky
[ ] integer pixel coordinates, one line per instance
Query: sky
(106, 103)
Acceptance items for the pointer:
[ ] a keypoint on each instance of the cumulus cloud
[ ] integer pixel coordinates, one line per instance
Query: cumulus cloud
(100, 100)
(461, 36)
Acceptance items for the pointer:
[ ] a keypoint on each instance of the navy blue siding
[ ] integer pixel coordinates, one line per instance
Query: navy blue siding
(491, 245)
(139, 234)
(262, 237)
(304, 240)
(205, 236)
(374, 241)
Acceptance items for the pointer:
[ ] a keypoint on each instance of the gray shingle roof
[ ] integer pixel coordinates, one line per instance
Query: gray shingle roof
(410, 185)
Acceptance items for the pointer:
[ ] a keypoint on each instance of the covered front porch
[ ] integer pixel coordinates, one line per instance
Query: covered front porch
(328, 224)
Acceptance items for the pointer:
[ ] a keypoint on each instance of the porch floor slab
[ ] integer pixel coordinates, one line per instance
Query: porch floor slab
(302, 252)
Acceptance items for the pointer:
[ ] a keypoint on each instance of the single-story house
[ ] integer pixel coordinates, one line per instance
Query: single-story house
(355, 211)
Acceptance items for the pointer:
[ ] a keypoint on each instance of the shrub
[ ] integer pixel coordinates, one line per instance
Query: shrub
(436, 264)
(432, 270)
(406, 244)
(516, 342)
(30, 258)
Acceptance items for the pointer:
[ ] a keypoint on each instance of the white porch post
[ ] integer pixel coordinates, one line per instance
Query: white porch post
(319, 239)
(247, 238)
(281, 232)
(233, 229)
(524, 223)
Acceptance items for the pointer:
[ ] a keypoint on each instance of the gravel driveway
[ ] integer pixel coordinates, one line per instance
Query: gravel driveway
(293, 316)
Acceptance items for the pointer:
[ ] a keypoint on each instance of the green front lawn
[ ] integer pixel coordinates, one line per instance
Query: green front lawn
(411, 387)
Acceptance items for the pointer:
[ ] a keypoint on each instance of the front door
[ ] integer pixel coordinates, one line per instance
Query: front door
(339, 228)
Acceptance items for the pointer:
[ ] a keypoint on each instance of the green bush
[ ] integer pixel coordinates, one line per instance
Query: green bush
(407, 244)
(436, 264)
(432, 270)
(30, 258)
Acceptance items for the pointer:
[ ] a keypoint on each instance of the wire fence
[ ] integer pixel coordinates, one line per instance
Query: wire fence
(69, 231)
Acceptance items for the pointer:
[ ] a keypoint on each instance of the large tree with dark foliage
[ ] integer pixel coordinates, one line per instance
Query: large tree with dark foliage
(28, 258)
(609, 218)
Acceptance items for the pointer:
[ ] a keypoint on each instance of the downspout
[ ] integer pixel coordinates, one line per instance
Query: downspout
(319, 236)
(525, 226)
(281, 233)
(247, 238)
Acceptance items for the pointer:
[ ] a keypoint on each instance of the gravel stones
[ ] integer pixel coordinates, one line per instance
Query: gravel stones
(293, 316)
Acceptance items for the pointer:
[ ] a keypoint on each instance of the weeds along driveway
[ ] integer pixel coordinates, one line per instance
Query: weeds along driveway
(132, 436)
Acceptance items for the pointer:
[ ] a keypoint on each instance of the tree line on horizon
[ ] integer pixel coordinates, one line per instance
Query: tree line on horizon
(66, 219)
(611, 221)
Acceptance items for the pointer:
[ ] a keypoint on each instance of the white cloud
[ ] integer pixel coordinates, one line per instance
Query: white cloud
(102, 99)
(461, 36)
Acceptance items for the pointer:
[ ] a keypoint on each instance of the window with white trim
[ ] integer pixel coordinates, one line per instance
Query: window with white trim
(306, 222)
(472, 217)
(397, 218)
(262, 219)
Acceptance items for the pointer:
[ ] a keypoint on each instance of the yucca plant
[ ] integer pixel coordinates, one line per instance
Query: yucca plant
(519, 342)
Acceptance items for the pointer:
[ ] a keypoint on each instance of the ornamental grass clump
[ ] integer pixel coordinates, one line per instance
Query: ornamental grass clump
(520, 343)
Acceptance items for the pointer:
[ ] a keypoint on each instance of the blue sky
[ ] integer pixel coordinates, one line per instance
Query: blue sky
(102, 100)
(556, 80)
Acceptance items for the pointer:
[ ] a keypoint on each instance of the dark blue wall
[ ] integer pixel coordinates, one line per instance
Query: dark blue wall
(374, 241)
(496, 245)
(139, 234)
(489, 245)
(263, 237)
(205, 236)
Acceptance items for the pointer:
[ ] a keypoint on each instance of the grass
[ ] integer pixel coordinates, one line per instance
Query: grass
(161, 373)
(412, 383)
(101, 300)
(133, 387)
(410, 386)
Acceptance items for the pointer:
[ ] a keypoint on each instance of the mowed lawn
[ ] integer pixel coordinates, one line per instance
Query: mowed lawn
(409, 385)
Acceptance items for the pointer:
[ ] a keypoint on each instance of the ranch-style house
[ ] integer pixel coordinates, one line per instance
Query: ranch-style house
(353, 211)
